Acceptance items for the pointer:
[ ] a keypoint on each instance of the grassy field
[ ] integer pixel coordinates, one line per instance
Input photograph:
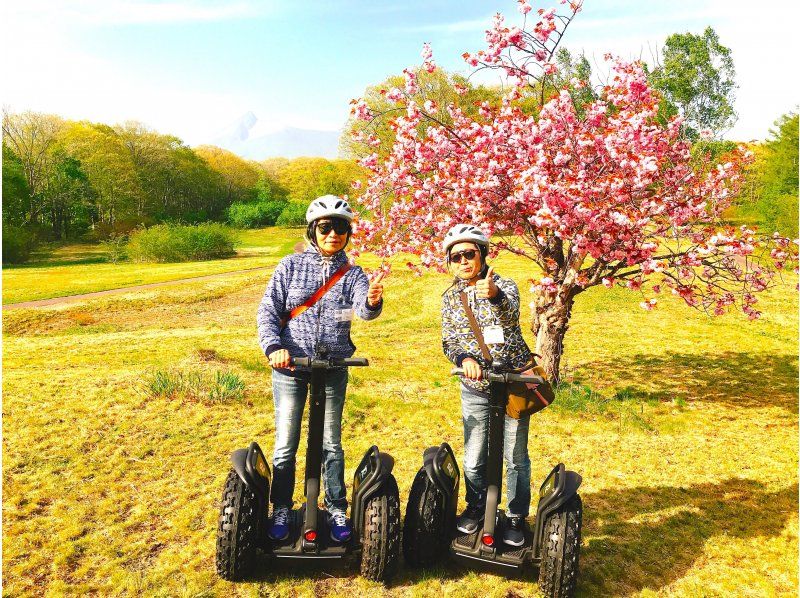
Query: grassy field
(684, 428)
(77, 269)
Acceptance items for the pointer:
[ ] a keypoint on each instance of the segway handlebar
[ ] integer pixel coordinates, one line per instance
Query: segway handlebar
(307, 362)
(504, 377)
(354, 361)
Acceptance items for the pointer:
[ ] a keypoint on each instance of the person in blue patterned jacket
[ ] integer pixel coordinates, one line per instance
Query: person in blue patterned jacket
(295, 279)
(494, 301)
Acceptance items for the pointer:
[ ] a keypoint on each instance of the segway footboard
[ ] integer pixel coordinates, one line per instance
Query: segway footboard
(431, 508)
(489, 552)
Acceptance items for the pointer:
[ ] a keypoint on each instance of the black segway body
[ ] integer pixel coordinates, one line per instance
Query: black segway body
(375, 511)
(553, 543)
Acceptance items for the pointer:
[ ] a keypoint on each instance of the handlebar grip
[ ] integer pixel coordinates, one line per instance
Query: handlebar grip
(303, 362)
(354, 361)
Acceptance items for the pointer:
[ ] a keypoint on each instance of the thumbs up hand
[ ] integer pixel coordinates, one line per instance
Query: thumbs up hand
(485, 288)
(375, 292)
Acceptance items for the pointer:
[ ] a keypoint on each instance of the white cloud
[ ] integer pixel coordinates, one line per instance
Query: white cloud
(47, 70)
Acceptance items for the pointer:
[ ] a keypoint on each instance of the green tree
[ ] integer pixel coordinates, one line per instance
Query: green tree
(269, 189)
(439, 87)
(16, 195)
(33, 136)
(239, 175)
(696, 77)
(777, 200)
(109, 168)
(781, 165)
(68, 194)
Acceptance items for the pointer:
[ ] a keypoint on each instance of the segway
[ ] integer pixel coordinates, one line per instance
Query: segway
(374, 514)
(429, 531)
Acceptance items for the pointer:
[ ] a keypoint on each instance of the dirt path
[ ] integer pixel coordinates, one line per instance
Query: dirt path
(138, 287)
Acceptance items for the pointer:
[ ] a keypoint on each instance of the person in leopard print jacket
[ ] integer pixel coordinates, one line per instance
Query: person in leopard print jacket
(494, 301)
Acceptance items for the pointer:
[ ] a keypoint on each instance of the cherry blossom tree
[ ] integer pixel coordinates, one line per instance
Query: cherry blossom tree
(592, 188)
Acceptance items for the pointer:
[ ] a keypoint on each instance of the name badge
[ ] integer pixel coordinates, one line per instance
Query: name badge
(493, 335)
(344, 315)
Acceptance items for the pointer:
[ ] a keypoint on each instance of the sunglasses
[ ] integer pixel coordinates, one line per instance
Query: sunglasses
(468, 253)
(340, 227)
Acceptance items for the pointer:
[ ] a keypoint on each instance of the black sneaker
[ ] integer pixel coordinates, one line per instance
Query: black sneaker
(470, 520)
(514, 533)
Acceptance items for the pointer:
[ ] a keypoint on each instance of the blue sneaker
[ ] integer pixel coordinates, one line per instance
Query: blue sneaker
(279, 529)
(340, 530)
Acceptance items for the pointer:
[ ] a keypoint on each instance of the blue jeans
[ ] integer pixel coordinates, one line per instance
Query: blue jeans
(290, 394)
(475, 414)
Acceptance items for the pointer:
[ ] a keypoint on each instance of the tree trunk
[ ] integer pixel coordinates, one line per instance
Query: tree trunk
(550, 324)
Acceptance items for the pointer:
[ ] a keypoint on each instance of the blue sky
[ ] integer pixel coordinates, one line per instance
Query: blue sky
(193, 67)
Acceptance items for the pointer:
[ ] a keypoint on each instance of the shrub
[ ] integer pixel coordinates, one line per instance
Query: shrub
(255, 214)
(18, 243)
(181, 243)
(294, 214)
(115, 248)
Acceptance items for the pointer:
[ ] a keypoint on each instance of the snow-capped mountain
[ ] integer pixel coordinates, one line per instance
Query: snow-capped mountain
(248, 138)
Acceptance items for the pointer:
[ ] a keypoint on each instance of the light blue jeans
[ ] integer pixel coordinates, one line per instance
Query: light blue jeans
(290, 394)
(475, 415)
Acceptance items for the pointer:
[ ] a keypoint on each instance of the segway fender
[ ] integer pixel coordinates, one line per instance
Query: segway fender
(252, 467)
(442, 469)
(559, 487)
(370, 475)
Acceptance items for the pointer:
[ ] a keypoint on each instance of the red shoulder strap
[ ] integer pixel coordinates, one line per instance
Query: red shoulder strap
(318, 294)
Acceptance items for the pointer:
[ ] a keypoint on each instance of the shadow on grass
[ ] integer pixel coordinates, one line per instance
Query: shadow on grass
(737, 379)
(82, 258)
(649, 537)
(321, 573)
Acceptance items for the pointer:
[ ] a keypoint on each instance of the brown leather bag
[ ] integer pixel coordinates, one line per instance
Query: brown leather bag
(527, 398)
(524, 398)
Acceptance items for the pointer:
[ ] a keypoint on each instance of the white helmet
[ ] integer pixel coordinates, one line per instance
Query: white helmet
(461, 233)
(329, 205)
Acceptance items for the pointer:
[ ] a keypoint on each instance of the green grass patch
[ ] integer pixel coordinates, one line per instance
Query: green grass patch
(218, 387)
(75, 269)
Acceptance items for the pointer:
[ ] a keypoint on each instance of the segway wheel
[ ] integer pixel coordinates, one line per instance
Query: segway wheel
(561, 542)
(424, 534)
(381, 535)
(238, 529)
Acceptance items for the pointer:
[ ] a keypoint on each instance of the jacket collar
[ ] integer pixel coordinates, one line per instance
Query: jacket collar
(336, 260)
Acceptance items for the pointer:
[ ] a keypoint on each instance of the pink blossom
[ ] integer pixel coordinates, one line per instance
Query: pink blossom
(411, 82)
(427, 58)
(575, 183)
(395, 94)
(523, 7)
(360, 110)
(648, 305)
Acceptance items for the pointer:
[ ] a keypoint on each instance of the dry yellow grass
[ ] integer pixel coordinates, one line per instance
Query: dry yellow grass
(690, 473)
